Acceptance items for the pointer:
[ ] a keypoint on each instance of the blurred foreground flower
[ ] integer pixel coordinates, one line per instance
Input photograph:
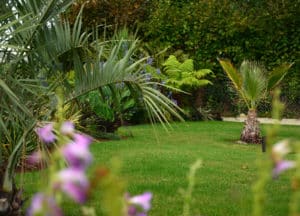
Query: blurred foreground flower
(46, 133)
(74, 183)
(72, 180)
(279, 150)
(282, 166)
(77, 153)
(43, 205)
(139, 205)
(35, 158)
(67, 128)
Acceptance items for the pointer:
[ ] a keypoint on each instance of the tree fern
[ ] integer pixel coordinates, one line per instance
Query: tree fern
(183, 75)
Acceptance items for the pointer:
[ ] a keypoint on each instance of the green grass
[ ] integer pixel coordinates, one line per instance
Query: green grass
(156, 161)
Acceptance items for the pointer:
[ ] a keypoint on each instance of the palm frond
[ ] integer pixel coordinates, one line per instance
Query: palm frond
(232, 73)
(277, 74)
(254, 82)
(115, 69)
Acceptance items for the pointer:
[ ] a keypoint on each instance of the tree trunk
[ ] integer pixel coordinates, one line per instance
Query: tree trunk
(251, 131)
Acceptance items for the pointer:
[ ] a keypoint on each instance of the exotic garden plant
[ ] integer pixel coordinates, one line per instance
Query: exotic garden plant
(253, 83)
(38, 51)
(182, 80)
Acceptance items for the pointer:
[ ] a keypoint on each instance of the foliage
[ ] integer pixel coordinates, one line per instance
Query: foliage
(181, 80)
(39, 51)
(111, 106)
(183, 75)
(266, 31)
(24, 95)
(110, 15)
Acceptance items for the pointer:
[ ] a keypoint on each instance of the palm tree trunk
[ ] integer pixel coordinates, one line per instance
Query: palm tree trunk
(251, 131)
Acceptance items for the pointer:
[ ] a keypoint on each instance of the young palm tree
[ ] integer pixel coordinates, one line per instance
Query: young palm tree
(252, 83)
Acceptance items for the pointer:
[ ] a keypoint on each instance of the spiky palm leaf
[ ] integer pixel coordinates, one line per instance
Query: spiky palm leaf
(277, 74)
(113, 70)
(254, 82)
(21, 93)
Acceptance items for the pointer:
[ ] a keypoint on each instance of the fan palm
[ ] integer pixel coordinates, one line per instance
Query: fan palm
(253, 83)
(38, 49)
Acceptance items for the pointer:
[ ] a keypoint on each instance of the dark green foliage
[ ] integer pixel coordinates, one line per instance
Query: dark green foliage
(107, 109)
(111, 15)
(267, 31)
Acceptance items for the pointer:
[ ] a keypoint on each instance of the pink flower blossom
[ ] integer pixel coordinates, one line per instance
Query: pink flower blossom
(46, 133)
(74, 183)
(35, 158)
(77, 153)
(82, 139)
(139, 205)
(43, 205)
(67, 128)
(282, 166)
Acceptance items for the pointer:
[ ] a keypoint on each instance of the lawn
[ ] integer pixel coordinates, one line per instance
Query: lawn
(157, 161)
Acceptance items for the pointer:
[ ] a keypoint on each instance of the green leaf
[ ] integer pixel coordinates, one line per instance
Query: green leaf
(276, 76)
(232, 73)
(254, 82)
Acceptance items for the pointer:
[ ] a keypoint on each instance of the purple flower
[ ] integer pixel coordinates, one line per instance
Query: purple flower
(142, 200)
(43, 205)
(67, 128)
(139, 205)
(282, 166)
(74, 183)
(35, 158)
(149, 61)
(46, 133)
(82, 139)
(132, 211)
(77, 154)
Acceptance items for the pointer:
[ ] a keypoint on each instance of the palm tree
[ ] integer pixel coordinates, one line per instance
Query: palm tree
(37, 52)
(252, 82)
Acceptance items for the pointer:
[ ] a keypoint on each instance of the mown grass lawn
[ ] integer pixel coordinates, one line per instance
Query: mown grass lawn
(157, 161)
